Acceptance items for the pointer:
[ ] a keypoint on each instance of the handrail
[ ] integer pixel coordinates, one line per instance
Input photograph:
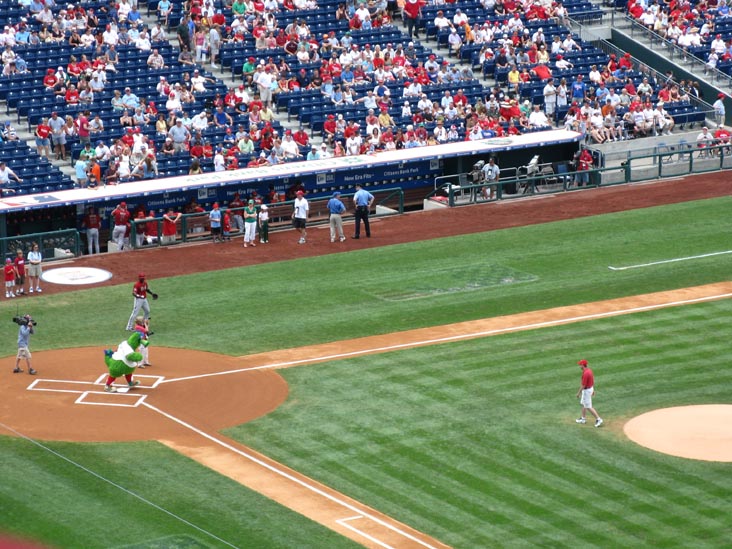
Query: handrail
(688, 157)
(193, 225)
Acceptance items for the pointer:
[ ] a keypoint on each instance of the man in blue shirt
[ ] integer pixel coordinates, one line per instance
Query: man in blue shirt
(24, 332)
(579, 89)
(363, 201)
(336, 209)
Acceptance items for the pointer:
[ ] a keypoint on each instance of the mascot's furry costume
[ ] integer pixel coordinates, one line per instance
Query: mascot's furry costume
(124, 360)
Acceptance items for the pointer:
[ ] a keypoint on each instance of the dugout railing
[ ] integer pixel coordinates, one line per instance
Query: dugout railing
(194, 227)
(672, 161)
(54, 245)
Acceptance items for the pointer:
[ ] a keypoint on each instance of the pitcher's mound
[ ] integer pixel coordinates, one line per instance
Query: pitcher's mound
(694, 432)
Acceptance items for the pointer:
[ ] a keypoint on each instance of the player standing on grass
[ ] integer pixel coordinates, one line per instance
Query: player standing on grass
(139, 293)
(585, 393)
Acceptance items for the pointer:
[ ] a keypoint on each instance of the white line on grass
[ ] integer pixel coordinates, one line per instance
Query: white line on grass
(457, 337)
(674, 260)
(118, 486)
(288, 476)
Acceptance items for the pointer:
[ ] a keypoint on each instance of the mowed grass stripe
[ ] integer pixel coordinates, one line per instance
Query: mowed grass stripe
(503, 436)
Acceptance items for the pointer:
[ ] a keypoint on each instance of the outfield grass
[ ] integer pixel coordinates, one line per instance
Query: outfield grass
(473, 443)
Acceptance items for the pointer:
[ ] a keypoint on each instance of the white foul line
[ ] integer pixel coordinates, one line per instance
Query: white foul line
(289, 477)
(457, 337)
(344, 523)
(118, 486)
(668, 261)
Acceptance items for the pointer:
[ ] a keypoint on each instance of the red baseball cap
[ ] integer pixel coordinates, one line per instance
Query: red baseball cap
(300, 193)
(582, 362)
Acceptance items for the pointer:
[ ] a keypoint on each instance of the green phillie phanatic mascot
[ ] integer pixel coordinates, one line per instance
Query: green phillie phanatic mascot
(124, 360)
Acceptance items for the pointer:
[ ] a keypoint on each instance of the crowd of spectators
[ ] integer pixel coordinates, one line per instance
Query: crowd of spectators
(239, 128)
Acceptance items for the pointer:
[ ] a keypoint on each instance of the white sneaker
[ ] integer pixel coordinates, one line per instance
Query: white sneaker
(342, 239)
(332, 240)
(12, 294)
(599, 422)
(38, 289)
(301, 241)
(31, 290)
(580, 420)
(214, 66)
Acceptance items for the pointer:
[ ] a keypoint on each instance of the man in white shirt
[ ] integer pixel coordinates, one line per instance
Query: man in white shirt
(441, 22)
(198, 82)
(424, 103)
(289, 147)
(155, 60)
(569, 44)
(102, 152)
(550, 97)
(218, 161)
(200, 122)
(459, 18)
(537, 118)
(143, 42)
(353, 145)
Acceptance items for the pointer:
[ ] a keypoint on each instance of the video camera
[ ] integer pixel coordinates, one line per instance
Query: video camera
(24, 320)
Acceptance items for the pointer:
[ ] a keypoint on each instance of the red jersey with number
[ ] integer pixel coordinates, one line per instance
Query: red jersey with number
(140, 289)
(92, 221)
(121, 217)
(588, 379)
(20, 265)
(43, 131)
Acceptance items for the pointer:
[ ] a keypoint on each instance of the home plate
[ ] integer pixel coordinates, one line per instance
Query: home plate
(123, 389)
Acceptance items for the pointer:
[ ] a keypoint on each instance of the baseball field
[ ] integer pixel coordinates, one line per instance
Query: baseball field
(470, 442)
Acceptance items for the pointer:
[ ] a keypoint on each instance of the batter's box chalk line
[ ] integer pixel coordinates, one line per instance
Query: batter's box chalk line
(119, 399)
(102, 380)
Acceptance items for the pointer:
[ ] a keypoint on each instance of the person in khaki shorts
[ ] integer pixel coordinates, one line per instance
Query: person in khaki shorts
(26, 324)
(34, 268)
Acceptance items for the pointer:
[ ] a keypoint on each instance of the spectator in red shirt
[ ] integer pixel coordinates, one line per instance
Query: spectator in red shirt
(50, 80)
(72, 95)
(43, 138)
(585, 393)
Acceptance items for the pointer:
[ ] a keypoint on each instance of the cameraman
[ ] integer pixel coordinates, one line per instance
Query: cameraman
(25, 330)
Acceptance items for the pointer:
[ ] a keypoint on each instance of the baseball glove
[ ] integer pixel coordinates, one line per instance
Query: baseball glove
(154, 296)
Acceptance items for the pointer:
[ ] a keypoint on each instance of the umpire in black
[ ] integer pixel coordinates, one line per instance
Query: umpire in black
(363, 201)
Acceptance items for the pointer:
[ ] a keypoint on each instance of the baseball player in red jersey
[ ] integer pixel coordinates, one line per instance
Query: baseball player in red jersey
(139, 292)
(585, 392)
(92, 223)
(121, 216)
